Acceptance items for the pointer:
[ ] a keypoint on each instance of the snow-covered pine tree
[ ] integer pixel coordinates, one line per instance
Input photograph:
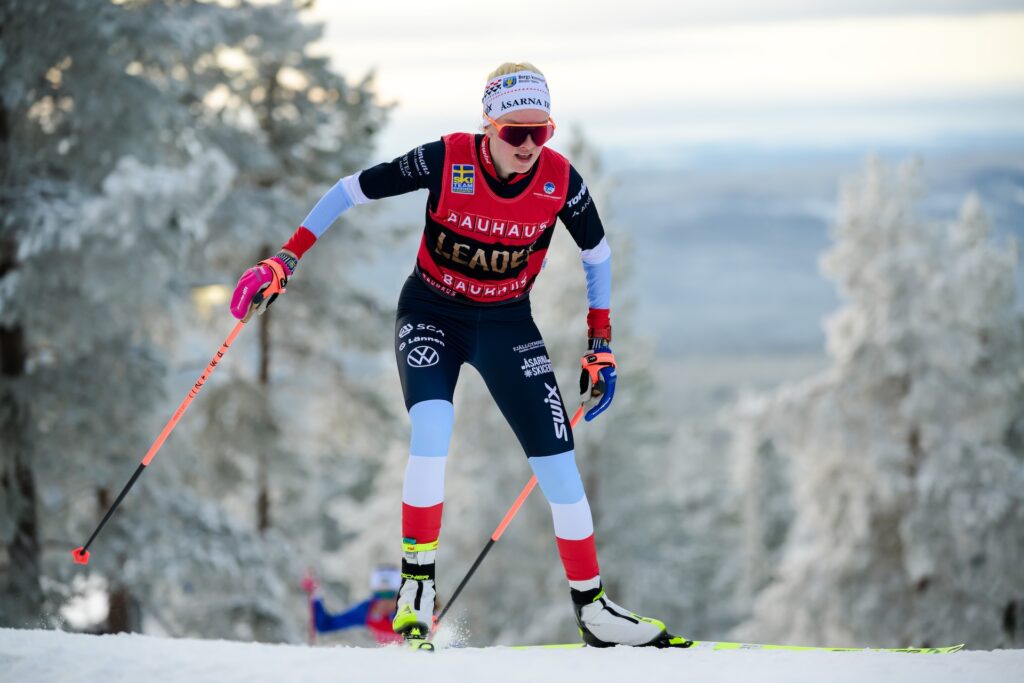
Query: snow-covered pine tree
(906, 456)
(292, 427)
(759, 486)
(107, 197)
(103, 191)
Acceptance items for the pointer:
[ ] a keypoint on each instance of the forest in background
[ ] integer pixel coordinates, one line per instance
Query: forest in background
(153, 150)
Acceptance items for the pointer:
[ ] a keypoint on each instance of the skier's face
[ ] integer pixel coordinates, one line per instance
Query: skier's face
(520, 158)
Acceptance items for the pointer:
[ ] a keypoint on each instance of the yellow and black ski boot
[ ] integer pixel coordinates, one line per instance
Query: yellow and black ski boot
(414, 608)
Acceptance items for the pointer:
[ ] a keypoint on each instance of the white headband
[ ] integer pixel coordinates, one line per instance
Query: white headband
(512, 92)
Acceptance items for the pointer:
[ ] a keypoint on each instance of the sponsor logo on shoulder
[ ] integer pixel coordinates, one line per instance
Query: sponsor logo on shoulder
(405, 329)
(463, 179)
(579, 195)
(420, 161)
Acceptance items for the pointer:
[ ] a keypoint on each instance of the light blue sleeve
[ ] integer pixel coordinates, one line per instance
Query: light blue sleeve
(599, 283)
(597, 264)
(345, 194)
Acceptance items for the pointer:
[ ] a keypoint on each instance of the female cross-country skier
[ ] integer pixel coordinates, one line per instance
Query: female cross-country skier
(493, 199)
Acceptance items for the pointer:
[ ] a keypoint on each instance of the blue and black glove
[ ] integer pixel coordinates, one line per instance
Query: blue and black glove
(597, 379)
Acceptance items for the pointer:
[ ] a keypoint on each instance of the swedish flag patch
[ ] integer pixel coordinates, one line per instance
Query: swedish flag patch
(463, 178)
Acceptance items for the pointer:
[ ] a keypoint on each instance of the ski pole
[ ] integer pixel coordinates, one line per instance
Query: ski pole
(309, 585)
(523, 495)
(81, 555)
(270, 292)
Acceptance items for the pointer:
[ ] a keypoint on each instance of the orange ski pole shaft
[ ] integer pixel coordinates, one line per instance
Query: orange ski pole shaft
(523, 495)
(81, 555)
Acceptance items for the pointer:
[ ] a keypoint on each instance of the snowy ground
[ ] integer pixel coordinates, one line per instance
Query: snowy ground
(53, 656)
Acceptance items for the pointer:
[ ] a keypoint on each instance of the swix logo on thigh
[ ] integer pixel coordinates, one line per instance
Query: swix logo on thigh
(423, 357)
(557, 412)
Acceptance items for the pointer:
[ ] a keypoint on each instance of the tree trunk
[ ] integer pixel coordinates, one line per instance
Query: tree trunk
(125, 614)
(21, 596)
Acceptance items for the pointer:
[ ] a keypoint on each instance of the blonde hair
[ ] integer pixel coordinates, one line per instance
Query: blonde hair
(513, 67)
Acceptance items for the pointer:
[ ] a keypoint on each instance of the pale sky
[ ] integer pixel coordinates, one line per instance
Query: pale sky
(649, 74)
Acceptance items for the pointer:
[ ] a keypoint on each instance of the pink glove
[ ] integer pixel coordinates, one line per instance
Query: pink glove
(262, 282)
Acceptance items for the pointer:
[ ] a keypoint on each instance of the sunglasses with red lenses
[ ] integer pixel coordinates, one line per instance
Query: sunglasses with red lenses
(515, 134)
